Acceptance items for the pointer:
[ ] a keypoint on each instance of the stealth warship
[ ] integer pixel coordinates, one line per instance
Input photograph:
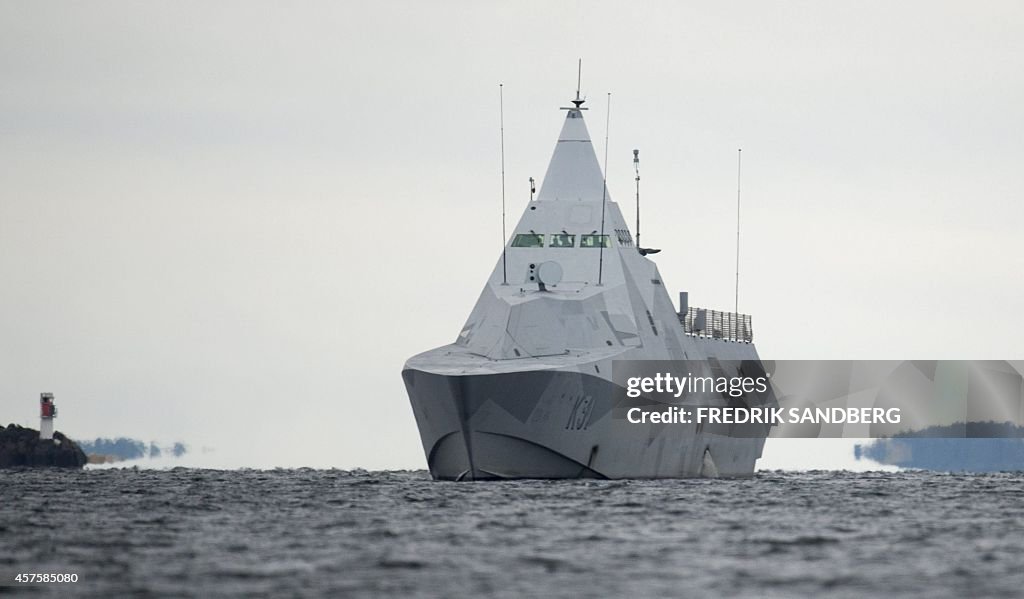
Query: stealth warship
(526, 389)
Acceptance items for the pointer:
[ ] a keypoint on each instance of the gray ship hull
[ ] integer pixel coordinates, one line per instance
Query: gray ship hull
(557, 424)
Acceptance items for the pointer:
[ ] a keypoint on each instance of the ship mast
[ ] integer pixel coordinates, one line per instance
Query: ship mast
(739, 165)
(636, 167)
(604, 189)
(504, 238)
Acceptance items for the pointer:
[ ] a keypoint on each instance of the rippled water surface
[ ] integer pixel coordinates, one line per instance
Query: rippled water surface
(315, 532)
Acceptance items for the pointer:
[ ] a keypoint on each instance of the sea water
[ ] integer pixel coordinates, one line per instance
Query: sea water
(185, 532)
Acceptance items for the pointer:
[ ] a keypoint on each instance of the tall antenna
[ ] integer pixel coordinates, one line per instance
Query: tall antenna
(739, 166)
(579, 77)
(504, 239)
(604, 190)
(636, 167)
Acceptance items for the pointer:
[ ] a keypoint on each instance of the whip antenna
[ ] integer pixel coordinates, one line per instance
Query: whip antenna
(739, 165)
(604, 186)
(504, 239)
(579, 77)
(636, 167)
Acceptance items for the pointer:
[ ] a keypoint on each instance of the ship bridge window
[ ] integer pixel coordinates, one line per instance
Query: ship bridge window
(528, 240)
(595, 241)
(562, 240)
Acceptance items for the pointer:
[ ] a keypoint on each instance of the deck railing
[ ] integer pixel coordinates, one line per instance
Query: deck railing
(715, 324)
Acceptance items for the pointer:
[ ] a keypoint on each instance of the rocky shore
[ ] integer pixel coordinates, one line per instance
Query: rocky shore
(21, 447)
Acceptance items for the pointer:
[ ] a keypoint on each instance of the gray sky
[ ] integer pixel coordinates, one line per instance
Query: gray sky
(231, 223)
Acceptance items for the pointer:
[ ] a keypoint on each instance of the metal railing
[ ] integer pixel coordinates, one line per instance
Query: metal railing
(714, 324)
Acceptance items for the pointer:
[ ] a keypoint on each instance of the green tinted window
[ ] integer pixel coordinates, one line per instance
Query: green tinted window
(528, 240)
(562, 240)
(595, 241)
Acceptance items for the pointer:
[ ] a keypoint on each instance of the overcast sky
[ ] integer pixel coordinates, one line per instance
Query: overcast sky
(231, 223)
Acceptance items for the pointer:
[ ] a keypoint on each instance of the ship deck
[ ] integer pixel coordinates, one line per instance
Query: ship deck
(456, 360)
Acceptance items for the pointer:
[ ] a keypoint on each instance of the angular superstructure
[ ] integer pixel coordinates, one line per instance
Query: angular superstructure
(526, 390)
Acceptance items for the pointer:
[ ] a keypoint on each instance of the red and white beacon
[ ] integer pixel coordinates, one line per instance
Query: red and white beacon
(47, 412)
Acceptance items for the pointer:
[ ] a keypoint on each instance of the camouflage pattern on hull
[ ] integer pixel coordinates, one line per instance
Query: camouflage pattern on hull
(549, 424)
